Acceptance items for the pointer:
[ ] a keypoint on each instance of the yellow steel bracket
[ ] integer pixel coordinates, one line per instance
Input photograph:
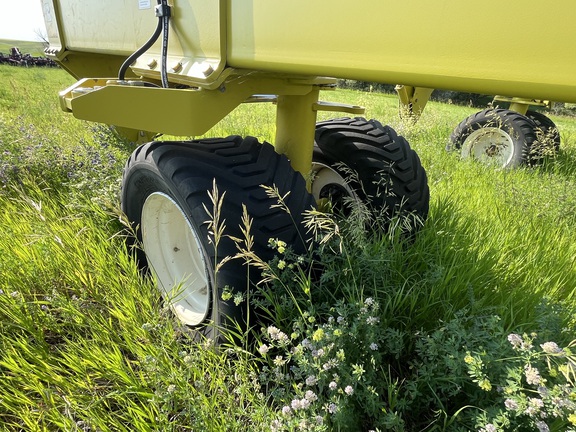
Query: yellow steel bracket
(520, 105)
(412, 100)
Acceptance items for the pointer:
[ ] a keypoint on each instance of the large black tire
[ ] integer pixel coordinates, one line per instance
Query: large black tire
(495, 136)
(547, 136)
(359, 158)
(165, 191)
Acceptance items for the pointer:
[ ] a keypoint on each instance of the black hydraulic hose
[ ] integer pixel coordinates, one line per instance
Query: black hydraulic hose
(165, 18)
(163, 14)
(140, 51)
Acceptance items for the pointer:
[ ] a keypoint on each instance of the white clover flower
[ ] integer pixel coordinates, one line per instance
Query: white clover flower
(310, 395)
(369, 301)
(551, 348)
(332, 408)
(275, 426)
(340, 319)
(349, 390)
(276, 334)
(542, 426)
(304, 403)
(490, 428)
(319, 420)
(317, 353)
(515, 340)
(372, 320)
(532, 375)
(296, 404)
(373, 346)
(332, 385)
(311, 380)
(286, 410)
(536, 403)
(263, 349)
(511, 404)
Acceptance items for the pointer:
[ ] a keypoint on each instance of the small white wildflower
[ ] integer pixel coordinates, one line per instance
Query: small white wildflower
(171, 388)
(279, 361)
(14, 294)
(542, 426)
(310, 395)
(317, 353)
(238, 298)
(276, 334)
(332, 408)
(369, 301)
(349, 390)
(532, 375)
(551, 348)
(263, 349)
(340, 319)
(286, 410)
(363, 310)
(275, 426)
(319, 420)
(535, 402)
(304, 403)
(373, 346)
(1, 292)
(511, 404)
(372, 320)
(332, 385)
(490, 428)
(543, 391)
(515, 340)
(311, 380)
(296, 405)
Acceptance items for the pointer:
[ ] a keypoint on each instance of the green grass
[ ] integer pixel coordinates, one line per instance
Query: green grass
(86, 344)
(36, 49)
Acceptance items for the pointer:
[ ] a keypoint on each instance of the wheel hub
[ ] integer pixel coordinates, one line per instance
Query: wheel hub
(175, 255)
(489, 145)
(328, 184)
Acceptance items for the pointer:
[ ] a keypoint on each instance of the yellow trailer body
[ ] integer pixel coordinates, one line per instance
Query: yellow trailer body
(523, 49)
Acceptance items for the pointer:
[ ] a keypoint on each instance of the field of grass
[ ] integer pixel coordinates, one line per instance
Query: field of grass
(26, 47)
(468, 327)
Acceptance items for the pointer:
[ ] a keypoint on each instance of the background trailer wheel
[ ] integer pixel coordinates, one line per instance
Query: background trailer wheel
(496, 136)
(165, 194)
(359, 158)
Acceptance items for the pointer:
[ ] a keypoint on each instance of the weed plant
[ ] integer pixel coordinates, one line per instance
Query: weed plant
(467, 326)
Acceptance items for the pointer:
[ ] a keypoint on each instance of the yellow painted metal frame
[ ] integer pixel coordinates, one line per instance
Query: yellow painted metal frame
(193, 111)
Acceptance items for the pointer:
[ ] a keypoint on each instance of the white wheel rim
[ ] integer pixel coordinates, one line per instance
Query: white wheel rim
(174, 253)
(490, 145)
(322, 176)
